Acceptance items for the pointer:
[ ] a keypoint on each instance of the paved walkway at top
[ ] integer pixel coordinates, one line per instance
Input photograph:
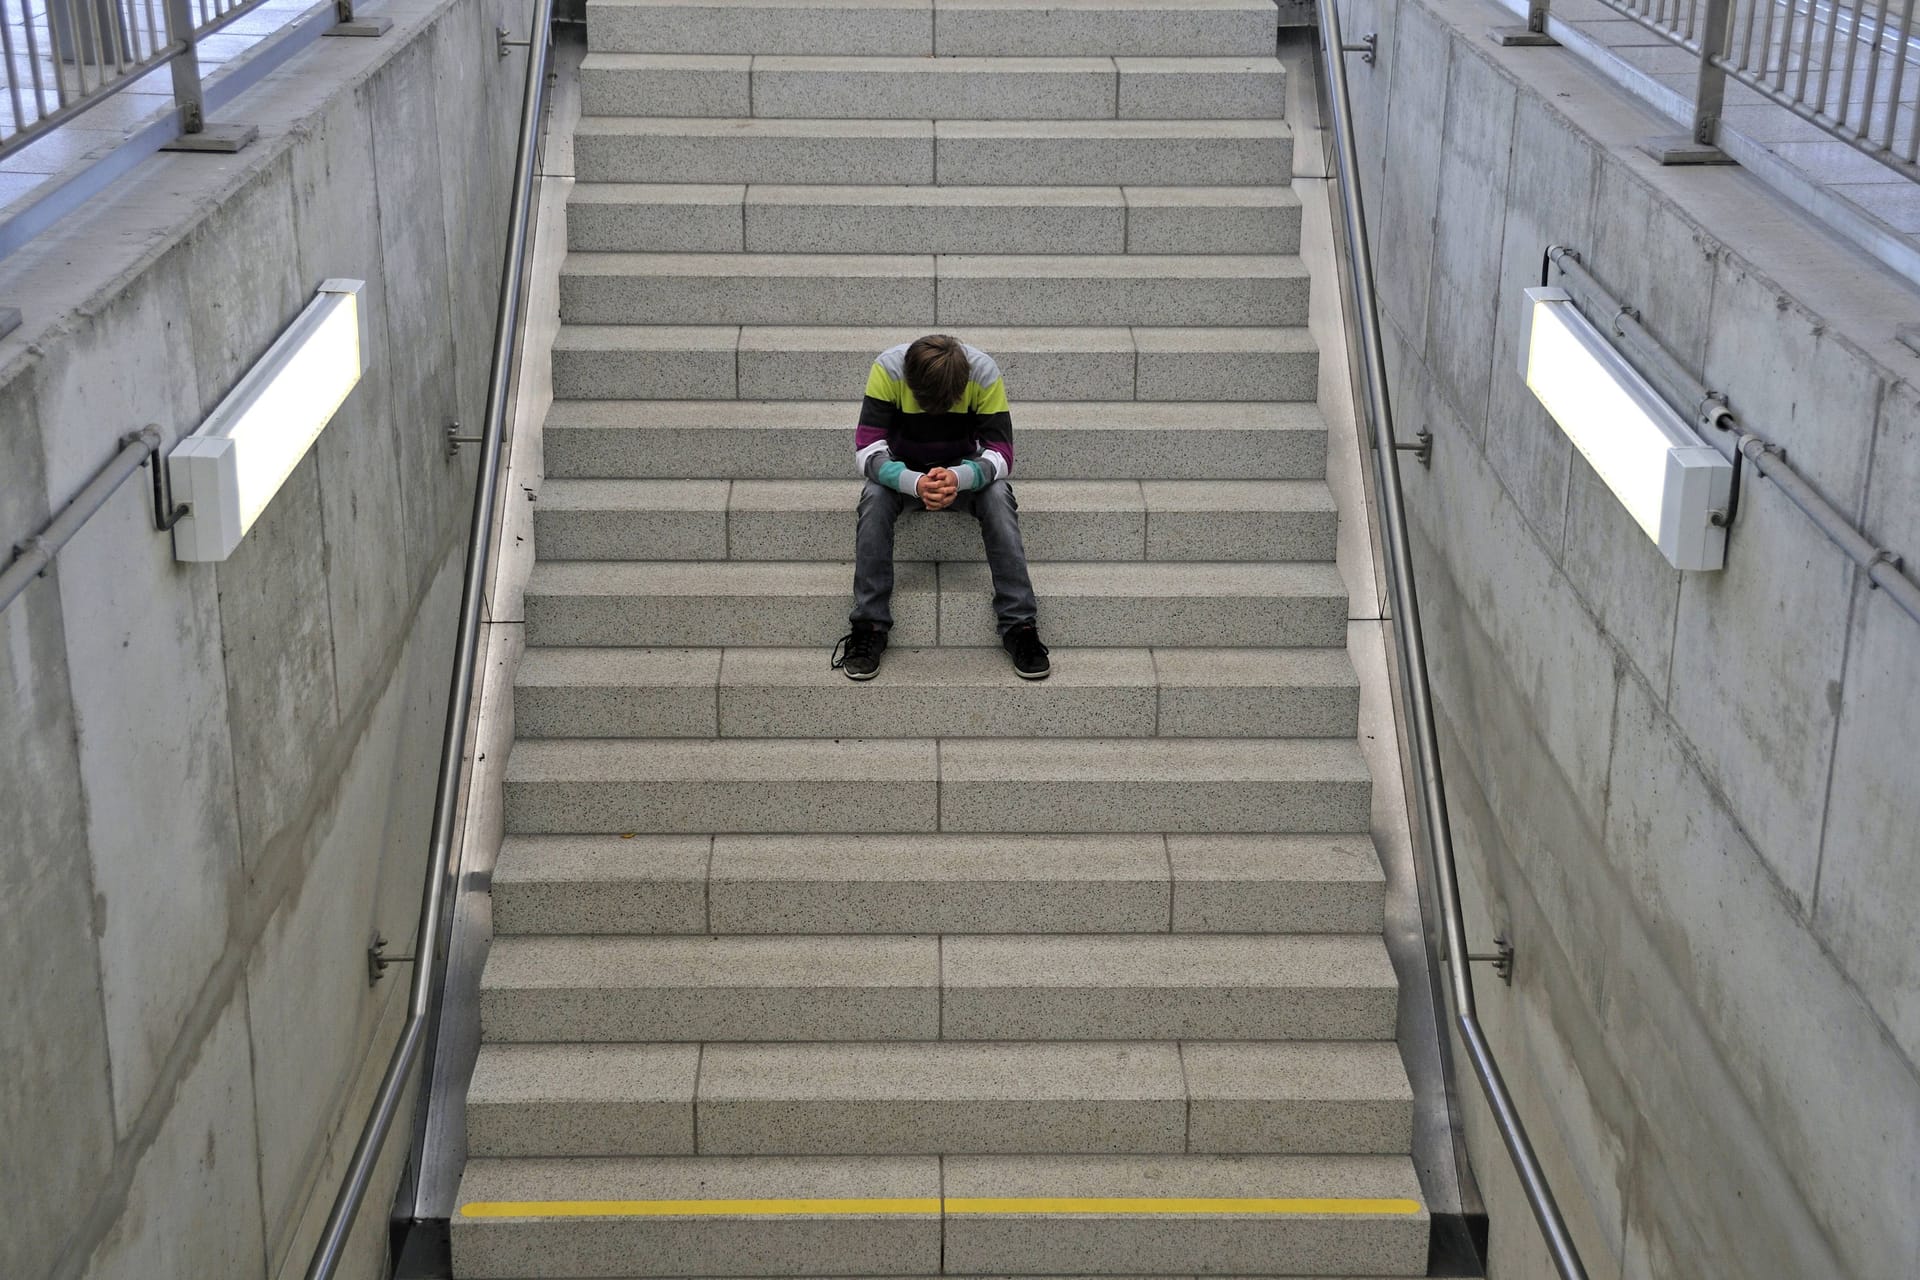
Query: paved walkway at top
(1824, 175)
(98, 131)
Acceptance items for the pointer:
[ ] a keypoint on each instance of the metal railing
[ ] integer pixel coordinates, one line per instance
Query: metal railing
(1850, 67)
(426, 958)
(1410, 650)
(60, 58)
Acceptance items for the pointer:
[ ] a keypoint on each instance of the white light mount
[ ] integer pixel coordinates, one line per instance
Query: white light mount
(1675, 485)
(226, 472)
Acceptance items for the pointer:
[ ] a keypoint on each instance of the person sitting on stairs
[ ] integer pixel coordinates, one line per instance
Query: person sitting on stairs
(935, 429)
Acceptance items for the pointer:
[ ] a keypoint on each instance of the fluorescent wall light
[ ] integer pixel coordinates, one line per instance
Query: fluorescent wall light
(1668, 479)
(228, 471)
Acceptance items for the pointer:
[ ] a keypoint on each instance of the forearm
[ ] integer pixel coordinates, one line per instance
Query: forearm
(972, 474)
(895, 474)
(875, 461)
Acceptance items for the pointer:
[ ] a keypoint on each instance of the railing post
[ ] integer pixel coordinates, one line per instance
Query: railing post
(1533, 35)
(188, 95)
(346, 24)
(1702, 146)
(185, 66)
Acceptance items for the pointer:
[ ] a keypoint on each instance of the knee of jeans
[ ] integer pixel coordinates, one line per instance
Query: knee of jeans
(996, 497)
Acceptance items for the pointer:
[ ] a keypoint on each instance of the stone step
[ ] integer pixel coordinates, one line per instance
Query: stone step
(724, 362)
(792, 693)
(1159, 604)
(641, 604)
(1381, 1229)
(644, 604)
(911, 1099)
(815, 520)
(776, 86)
(826, 884)
(924, 289)
(508, 1223)
(949, 1097)
(614, 439)
(602, 884)
(608, 989)
(1152, 153)
(874, 28)
(1072, 785)
(908, 28)
(539, 1219)
(1222, 153)
(1217, 785)
(615, 217)
(950, 1276)
(597, 990)
(1167, 987)
(1136, 28)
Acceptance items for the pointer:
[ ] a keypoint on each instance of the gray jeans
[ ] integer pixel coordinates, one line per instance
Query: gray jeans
(994, 507)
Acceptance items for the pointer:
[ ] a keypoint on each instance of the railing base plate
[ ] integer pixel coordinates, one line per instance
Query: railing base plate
(1521, 38)
(1680, 149)
(364, 28)
(223, 139)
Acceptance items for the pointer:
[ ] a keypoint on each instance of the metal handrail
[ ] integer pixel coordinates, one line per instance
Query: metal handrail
(35, 554)
(1410, 648)
(506, 341)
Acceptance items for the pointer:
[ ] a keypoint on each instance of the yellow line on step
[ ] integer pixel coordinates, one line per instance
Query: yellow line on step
(1181, 1205)
(695, 1208)
(1030, 1205)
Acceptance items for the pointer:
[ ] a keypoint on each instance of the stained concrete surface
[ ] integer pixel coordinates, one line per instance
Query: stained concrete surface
(1676, 792)
(222, 775)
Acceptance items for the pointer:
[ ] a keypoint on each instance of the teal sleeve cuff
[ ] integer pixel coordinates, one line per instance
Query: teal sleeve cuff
(971, 475)
(894, 475)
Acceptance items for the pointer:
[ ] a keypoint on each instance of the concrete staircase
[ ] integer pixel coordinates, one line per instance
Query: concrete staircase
(943, 973)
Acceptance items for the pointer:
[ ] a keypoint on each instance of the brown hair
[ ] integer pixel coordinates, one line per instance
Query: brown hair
(937, 372)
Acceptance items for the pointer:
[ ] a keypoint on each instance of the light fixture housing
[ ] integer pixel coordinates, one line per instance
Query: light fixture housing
(1673, 484)
(227, 472)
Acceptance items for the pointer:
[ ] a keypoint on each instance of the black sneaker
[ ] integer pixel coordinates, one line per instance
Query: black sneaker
(1029, 655)
(858, 653)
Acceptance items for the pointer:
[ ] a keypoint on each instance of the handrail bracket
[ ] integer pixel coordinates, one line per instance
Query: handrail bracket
(1501, 958)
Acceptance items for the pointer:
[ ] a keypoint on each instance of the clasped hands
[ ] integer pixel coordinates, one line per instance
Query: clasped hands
(938, 488)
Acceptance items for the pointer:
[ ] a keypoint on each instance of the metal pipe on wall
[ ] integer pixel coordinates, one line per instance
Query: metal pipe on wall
(406, 1054)
(1731, 437)
(1411, 649)
(37, 552)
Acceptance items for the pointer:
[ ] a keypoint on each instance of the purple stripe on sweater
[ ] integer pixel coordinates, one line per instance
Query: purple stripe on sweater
(864, 435)
(1005, 449)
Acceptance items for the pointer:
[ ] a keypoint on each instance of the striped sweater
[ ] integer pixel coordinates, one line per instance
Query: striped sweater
(897, 441)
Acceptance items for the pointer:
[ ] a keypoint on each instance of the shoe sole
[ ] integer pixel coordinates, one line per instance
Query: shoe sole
(860, 675)
(1033, 675)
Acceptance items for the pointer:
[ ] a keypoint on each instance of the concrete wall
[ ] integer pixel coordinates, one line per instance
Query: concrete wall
(1690, 799)
(217, 779)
